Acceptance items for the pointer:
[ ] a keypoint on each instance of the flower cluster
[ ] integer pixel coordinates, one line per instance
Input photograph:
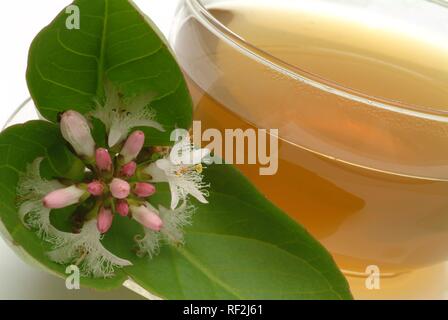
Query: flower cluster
(121, 180)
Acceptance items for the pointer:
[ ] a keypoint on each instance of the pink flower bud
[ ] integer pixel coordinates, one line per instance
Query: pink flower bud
(119, 188)
(103, 159)
(122, 208)
(147, 218)
(128, 170)
(76, 131)
(133, 146)
(62, 198)
(95, 188)
(104, 220)
(143, 190)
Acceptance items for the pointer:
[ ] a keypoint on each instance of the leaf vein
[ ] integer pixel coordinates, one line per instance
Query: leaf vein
(39, 72)
(273, 245)
(67, 48)
(134, 59)
(198, 264)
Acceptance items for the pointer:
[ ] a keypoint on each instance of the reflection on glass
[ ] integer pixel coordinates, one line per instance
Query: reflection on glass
(359, 93)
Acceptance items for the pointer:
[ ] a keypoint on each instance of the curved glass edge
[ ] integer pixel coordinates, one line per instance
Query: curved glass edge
(201, 13)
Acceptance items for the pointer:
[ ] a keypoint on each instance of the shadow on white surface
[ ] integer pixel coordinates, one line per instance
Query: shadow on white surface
(21, 281)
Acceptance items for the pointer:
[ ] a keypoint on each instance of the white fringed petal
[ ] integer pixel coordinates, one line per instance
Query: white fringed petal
(157, 170)
(184, 152)
(32, 186)
(148, 243)
(172, 231)
(184, 179)
(38, 217)
(31, 189)
(86, 249)
(174, 221)
(119, 119)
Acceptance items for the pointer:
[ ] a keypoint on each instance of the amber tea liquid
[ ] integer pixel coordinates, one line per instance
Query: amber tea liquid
(363, 182)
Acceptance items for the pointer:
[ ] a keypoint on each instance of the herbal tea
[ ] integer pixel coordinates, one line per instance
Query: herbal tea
(368, 180)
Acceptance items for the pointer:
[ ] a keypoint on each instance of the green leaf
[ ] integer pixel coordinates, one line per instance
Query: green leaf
(67, 68)
(99, 133)
(239, 245)
(62, 163)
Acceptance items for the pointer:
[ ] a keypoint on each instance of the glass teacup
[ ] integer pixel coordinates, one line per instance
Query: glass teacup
(366, 174)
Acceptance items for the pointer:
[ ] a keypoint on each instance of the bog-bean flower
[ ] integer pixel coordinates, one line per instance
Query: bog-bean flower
(182, 169)
(120, 181)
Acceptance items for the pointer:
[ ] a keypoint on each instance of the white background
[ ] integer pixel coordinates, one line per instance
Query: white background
(20, 21)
